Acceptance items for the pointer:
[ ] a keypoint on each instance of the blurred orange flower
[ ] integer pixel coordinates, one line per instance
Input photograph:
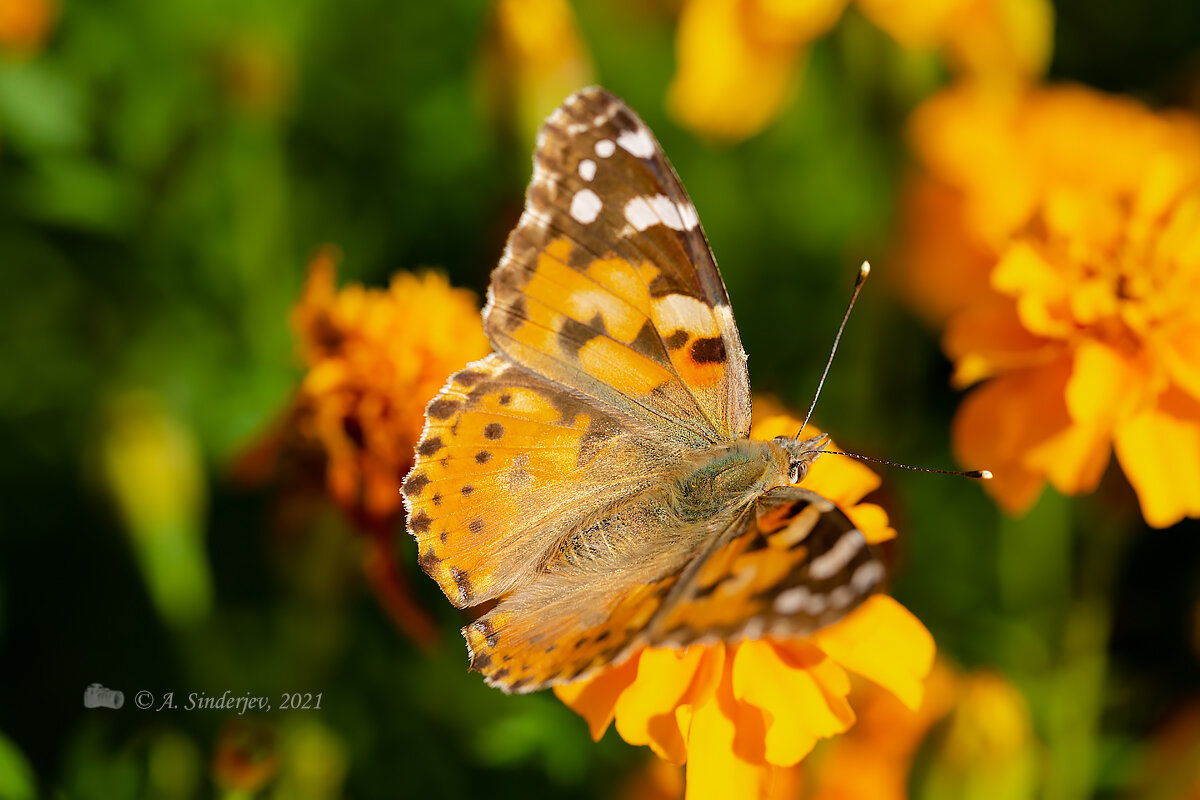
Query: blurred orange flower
(375, 357)
(1172, 766)
(873, 760)
(741, 715)
(246, 756)
(25, 24)
(1058, 232)
(533, 58)
(736, 58)
(974, 729)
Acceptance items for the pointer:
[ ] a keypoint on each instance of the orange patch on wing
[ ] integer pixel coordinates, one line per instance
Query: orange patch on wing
(618, 365)
(489, 449)
(611, 289)
(694, 335)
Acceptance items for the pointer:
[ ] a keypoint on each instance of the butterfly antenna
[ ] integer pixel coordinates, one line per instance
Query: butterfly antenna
(863, 272)
(981, 474)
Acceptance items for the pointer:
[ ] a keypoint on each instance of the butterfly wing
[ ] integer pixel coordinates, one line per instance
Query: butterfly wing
(794, 566)
(787, 566)
(608, 287)
(507, 465)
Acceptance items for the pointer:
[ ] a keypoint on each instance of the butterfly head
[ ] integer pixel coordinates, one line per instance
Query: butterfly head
(801, 453)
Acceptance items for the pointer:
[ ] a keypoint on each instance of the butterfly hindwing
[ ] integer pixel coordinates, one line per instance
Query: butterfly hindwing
(792, 566)
(506, 465)
(608, 287)
(786, 566)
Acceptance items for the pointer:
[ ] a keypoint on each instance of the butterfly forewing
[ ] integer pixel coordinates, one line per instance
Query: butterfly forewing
(608, 287)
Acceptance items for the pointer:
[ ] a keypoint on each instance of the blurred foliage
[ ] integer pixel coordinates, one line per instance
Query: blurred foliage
(166, 169)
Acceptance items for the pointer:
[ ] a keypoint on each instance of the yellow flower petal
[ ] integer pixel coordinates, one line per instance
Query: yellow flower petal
(1181, 356)
(872, 520)
(595, 700)
(884, 642)
(922, 24)
(714, 771)
(1160, 453)
(990, 339)
(645, 711)
(1002, 40)
(1040, 289)
(795, 22)
(727, 84)
(1104, 387)
(796, 706)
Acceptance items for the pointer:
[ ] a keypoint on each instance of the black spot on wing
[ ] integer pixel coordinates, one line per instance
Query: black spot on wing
(430, 446)
(416, 484)
(573, 335)
(709, 351)
(463, 582)
(442, 408)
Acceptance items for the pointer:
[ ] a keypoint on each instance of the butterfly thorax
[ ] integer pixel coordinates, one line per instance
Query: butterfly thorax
(728, 476)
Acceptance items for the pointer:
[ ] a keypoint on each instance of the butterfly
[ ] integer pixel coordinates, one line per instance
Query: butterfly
(593, 478)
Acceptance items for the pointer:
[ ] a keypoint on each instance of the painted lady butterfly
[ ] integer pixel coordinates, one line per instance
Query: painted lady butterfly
(594, 476)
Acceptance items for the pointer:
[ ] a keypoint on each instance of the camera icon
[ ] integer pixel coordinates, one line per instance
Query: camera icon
(96, 696)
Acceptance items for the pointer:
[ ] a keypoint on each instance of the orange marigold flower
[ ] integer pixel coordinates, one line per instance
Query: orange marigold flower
(533, 57)
(873, 760)
(737, 58)
(1171, 768)
(740, 715)
(1068, 267)
(375, 357)
(25, 24)
(246, 756)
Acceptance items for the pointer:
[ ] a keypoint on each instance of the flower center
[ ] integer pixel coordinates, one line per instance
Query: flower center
(1122, 271)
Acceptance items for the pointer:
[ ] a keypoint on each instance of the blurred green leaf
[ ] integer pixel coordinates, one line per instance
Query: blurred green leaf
(41, 109)
(16, 776)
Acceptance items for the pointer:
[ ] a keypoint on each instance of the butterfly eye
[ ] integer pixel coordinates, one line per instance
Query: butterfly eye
(797, 472)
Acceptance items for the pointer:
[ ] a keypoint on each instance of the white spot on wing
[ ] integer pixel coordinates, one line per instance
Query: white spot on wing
(687, 212)
(667, 211)
(637, 142)
(791, 601)
(586, 206)
(678, 311)
(587, 169)
(755, 628)
(828, 563)
(640, 214)
(866, 576)
(644, 211)
(841, 597)
(605, 148)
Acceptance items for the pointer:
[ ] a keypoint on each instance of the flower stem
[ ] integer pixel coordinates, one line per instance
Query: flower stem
(1076, 699)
